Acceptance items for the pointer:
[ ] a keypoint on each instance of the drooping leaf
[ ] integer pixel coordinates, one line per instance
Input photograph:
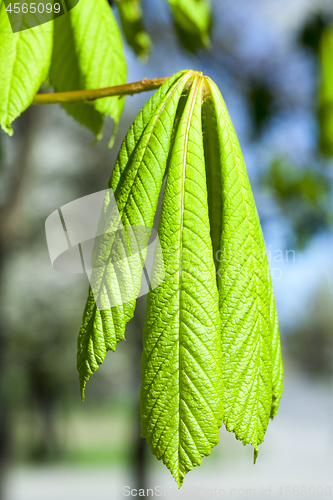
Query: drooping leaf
(136, 183)
(248, 317)
(192, 19)
(24, 63)
(326, 92)
(181, 391)
(131, 18)
(88, 54)
(211, 346)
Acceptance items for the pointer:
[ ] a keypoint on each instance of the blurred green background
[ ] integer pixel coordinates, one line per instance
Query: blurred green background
(273, 61)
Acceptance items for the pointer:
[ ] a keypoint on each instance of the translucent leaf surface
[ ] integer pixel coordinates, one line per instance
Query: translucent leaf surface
(88, 54)
(24, 63)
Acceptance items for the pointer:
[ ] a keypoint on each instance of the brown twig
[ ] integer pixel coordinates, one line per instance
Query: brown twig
(75, 96)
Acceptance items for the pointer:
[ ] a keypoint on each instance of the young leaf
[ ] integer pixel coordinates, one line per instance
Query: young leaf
(24, 63)
(192, 19)
(181, 391)
(136, 182)
(130, 14)
(88, 54)
(248, 316)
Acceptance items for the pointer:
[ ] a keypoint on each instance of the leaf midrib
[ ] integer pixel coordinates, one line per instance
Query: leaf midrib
(196, 82)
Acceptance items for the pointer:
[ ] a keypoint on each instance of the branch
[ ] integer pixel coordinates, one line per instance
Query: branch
(90, 95)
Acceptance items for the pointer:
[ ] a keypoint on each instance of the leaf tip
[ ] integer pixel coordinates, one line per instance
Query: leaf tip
(6, 128)
(179, 478)
(83, 388)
